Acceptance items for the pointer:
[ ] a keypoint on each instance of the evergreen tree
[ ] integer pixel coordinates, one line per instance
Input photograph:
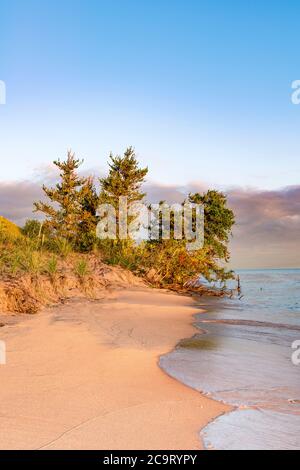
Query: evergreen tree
(89, 201)
(71, 209)
(218, 222)
(124, 179)
(173, 264)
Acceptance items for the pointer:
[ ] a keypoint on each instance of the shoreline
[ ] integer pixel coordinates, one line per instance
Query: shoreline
(101, 360)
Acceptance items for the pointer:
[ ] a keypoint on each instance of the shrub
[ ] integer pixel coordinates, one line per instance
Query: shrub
(32, 228)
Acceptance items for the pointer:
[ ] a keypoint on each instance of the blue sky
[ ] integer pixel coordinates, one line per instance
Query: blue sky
(200, 88)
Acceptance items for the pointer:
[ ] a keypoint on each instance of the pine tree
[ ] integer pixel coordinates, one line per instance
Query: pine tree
(218, 222)
(89, 201)
(71, 211)
(124, 179)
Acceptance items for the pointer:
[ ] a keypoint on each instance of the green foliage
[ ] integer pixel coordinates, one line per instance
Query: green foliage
(87, 241)
(89, 201)
(73, 203)
(124, 180)
(18, 256)
(51, 267)
(82, 269)
(31, 261)
(32, 228)
(62, 246)
(218, 219)
(169, 261)
(127, 255)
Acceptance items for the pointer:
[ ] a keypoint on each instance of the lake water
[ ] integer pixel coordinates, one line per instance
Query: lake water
(242, 356)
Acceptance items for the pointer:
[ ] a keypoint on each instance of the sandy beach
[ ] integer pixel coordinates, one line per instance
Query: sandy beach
(85, 375)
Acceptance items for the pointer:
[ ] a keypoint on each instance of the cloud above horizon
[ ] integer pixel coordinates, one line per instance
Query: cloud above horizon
(267, 232)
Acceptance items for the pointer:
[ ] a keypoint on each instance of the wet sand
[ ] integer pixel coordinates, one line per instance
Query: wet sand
(85, 375)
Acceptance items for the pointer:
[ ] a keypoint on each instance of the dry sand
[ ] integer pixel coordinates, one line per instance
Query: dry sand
(85, 375)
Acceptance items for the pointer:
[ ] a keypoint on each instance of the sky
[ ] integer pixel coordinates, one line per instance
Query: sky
(201, 89)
